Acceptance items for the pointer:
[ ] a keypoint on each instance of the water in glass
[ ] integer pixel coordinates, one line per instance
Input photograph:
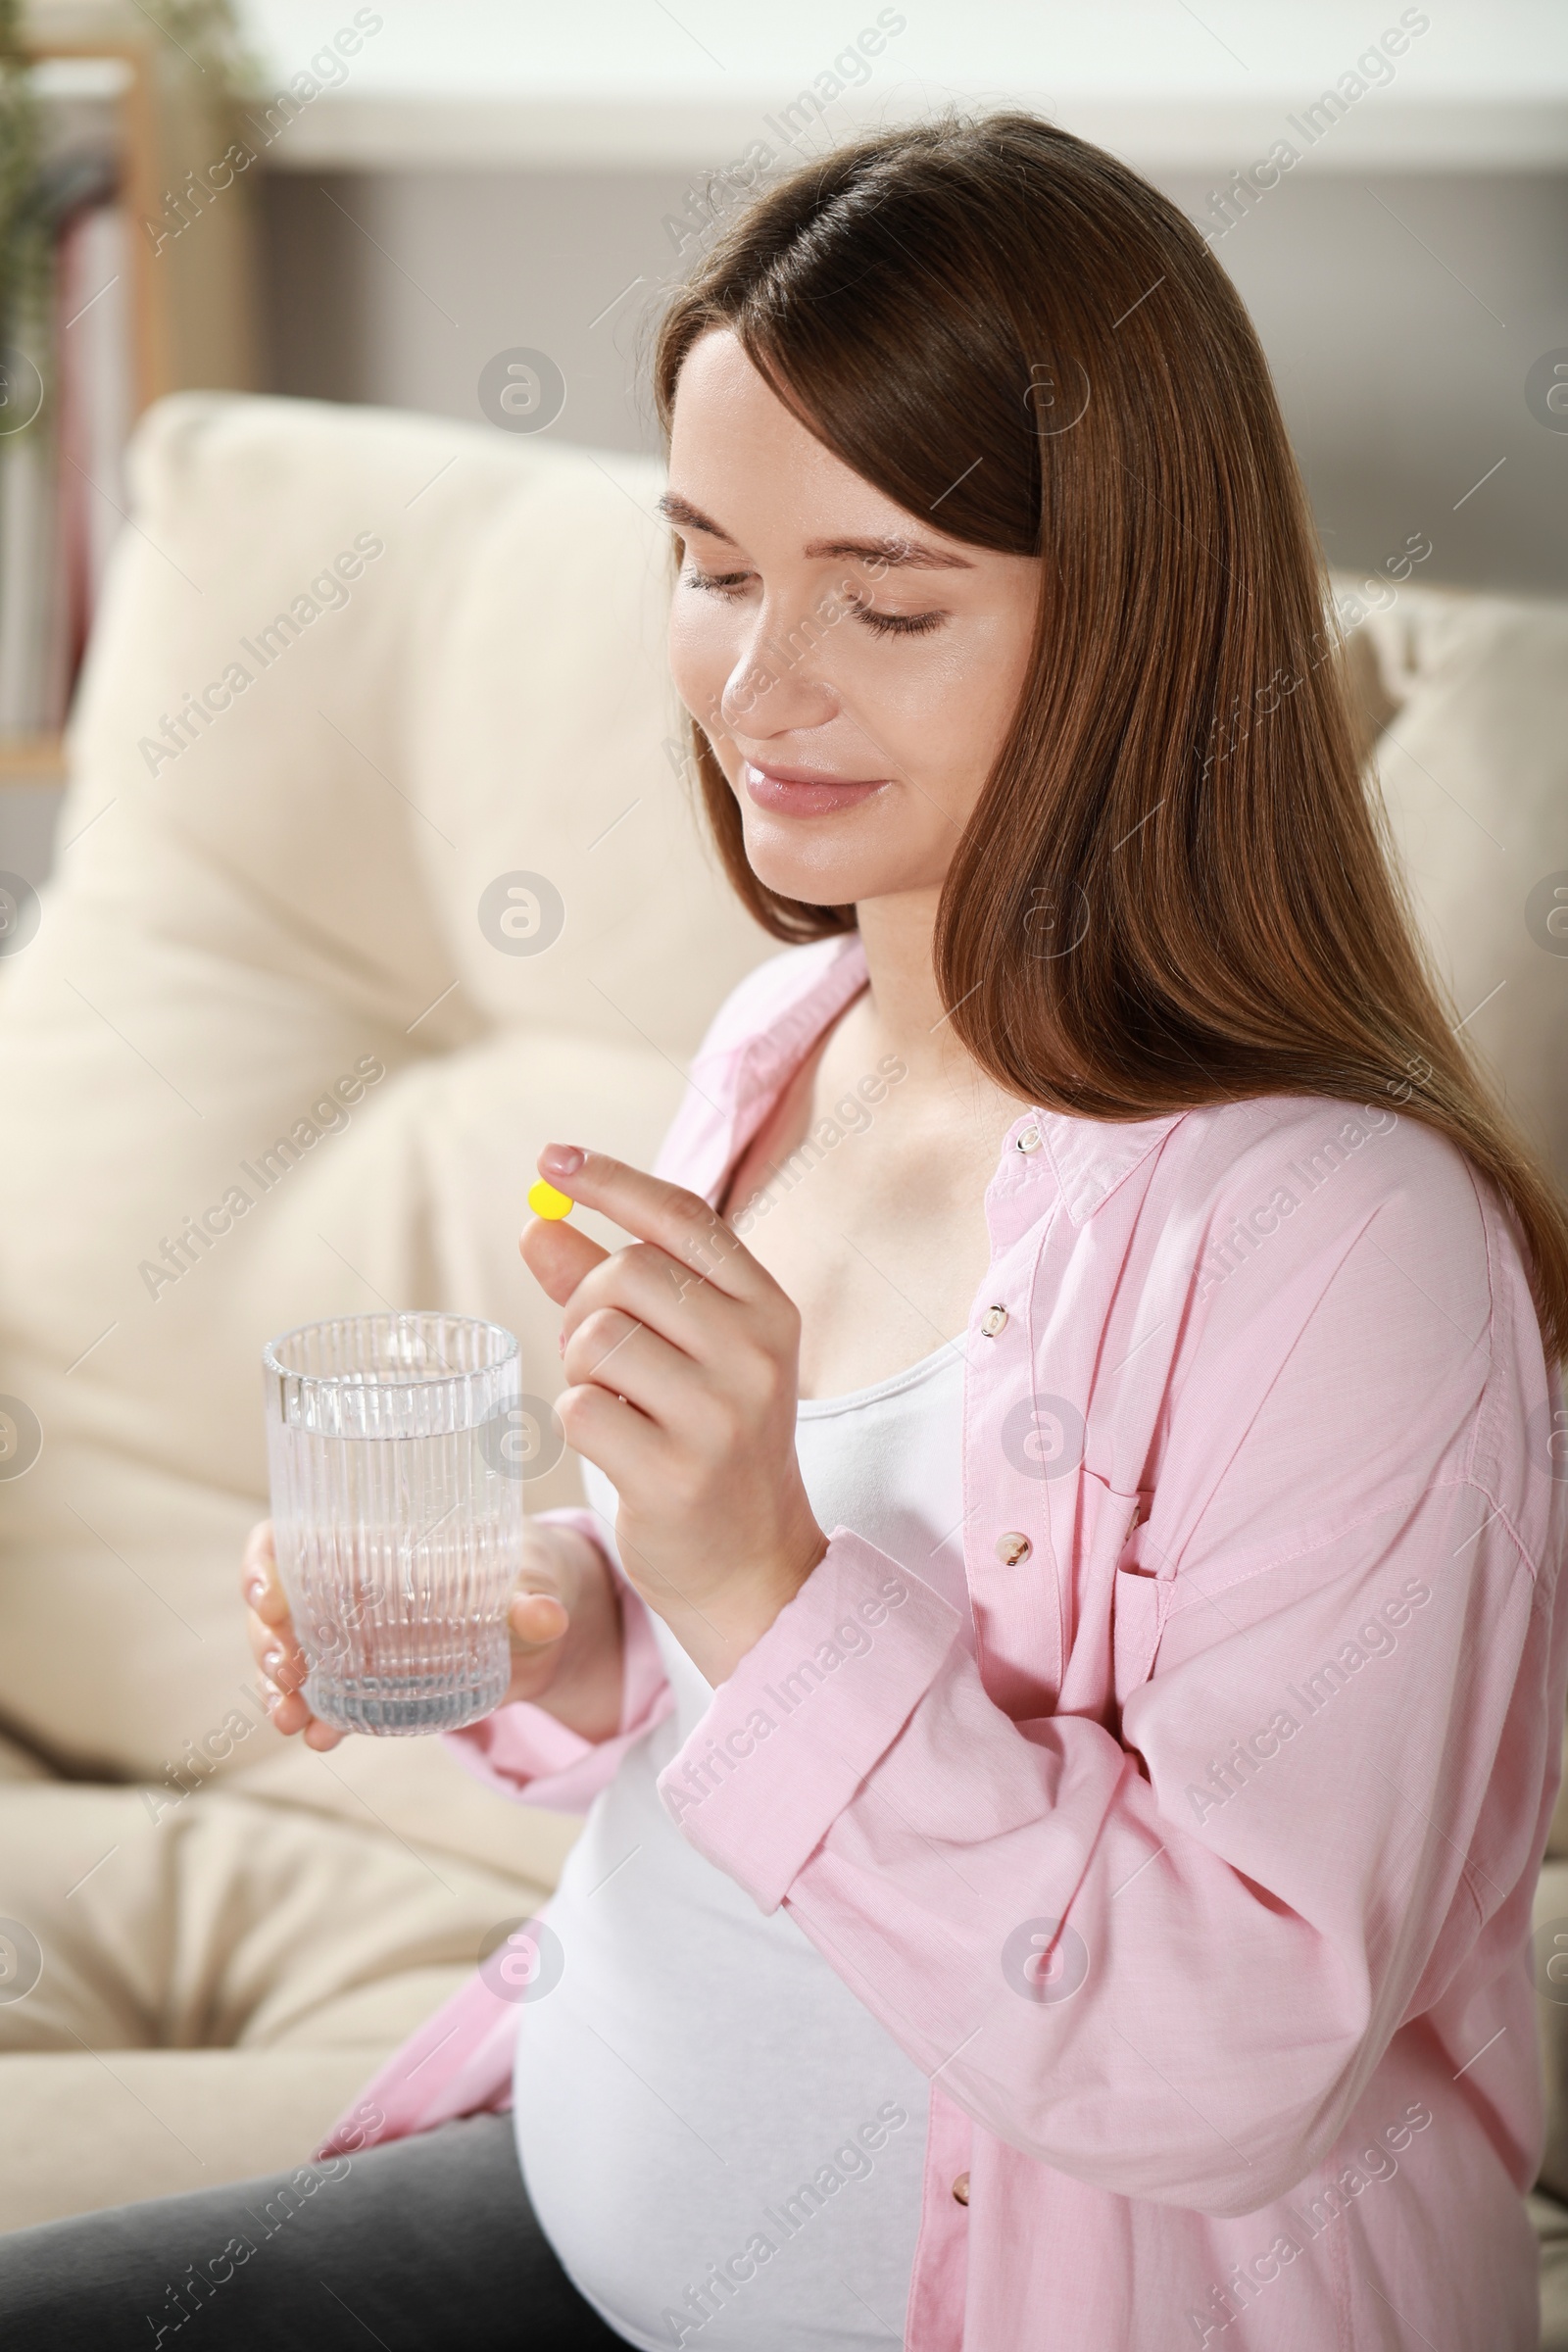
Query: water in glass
(397, 1511)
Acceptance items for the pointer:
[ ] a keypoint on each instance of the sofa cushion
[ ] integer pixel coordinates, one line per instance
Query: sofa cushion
(269, 992)
(1472, 755)
(293, 1951)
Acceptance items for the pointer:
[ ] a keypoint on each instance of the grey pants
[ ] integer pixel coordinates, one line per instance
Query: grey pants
(421, 2243)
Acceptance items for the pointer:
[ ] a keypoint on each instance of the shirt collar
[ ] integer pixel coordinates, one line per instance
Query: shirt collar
(1090, 1158)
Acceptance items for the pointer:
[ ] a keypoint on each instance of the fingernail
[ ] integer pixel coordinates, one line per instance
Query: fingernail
(255, 1589)
(560, 1340)
(271, 1660)
(561, 1160)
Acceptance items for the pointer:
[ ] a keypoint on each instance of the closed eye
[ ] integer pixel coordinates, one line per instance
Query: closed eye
(716, 583)
(899, 624)
(881, 624)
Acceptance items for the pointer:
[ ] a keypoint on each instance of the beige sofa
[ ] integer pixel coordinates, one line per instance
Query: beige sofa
(257, 909)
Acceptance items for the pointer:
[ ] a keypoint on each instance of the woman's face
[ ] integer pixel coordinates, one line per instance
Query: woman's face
(855, 668)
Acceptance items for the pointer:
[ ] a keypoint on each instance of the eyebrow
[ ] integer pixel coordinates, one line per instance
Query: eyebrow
(896, 554)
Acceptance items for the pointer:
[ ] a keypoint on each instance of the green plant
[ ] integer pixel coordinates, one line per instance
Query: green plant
(23, 230)
(209, 36)
(210, 33)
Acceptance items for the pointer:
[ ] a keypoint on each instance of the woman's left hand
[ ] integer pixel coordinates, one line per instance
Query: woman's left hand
(683, 1356)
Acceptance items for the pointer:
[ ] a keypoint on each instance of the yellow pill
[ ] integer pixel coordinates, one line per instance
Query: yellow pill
(546, 1202)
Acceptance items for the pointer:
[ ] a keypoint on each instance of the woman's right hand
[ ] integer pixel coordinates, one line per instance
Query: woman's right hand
(564, 1619)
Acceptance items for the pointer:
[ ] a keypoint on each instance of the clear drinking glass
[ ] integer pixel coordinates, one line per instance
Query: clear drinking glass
(397, 1513)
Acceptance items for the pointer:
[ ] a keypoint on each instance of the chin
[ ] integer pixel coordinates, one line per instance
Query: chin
(818, 872)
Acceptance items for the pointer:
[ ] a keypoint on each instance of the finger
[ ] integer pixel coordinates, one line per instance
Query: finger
(290, 1714)
(649, 1287)
(289, 1710)
(260, 1637)
(280, 1659)
(656, 1210)
(259, 1578)
(628, 1360)
(260, 1549)
(557, 1257)
(618, 1439)
(271, 1634)
(271, 1605)
(536, 1621)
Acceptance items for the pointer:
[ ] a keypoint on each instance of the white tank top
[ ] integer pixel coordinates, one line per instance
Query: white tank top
(720, 2144)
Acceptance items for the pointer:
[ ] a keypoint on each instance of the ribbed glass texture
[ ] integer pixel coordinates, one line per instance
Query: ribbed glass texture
(397, 1513)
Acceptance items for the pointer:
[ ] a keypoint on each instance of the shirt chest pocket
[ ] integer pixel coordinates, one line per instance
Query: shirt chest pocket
(1122, 1552)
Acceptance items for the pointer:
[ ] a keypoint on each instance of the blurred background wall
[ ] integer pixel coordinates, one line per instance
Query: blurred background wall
(1401, 313)
(1386, 185)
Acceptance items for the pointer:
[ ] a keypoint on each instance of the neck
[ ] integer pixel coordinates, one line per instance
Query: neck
(905, 1007)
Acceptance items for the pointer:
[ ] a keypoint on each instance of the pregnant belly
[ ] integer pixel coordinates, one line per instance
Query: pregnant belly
(715, 2133)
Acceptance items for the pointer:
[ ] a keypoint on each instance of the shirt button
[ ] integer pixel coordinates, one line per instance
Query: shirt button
(1029, 1139)
(994, 1321)
(960, 2189)
(1012, 1547)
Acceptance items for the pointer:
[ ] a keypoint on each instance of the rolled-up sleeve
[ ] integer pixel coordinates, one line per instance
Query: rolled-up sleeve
(864, 1633)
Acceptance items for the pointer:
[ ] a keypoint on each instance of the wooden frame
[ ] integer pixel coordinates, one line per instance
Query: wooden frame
(170, 305)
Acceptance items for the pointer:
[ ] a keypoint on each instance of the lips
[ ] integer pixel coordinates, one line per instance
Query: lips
(797, 792)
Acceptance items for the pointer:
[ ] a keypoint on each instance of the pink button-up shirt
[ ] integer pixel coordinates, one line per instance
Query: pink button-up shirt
(1199, 1881)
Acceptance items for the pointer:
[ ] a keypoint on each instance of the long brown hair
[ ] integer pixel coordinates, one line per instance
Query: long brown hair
(1174, 889)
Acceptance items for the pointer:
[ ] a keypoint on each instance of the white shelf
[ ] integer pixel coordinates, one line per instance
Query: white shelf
(393, 132)
(1478, 85)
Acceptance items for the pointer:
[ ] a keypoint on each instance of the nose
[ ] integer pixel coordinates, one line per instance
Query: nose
(777, 684)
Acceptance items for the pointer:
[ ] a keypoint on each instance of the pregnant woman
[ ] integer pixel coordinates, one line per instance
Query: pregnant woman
(1061, 1663)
